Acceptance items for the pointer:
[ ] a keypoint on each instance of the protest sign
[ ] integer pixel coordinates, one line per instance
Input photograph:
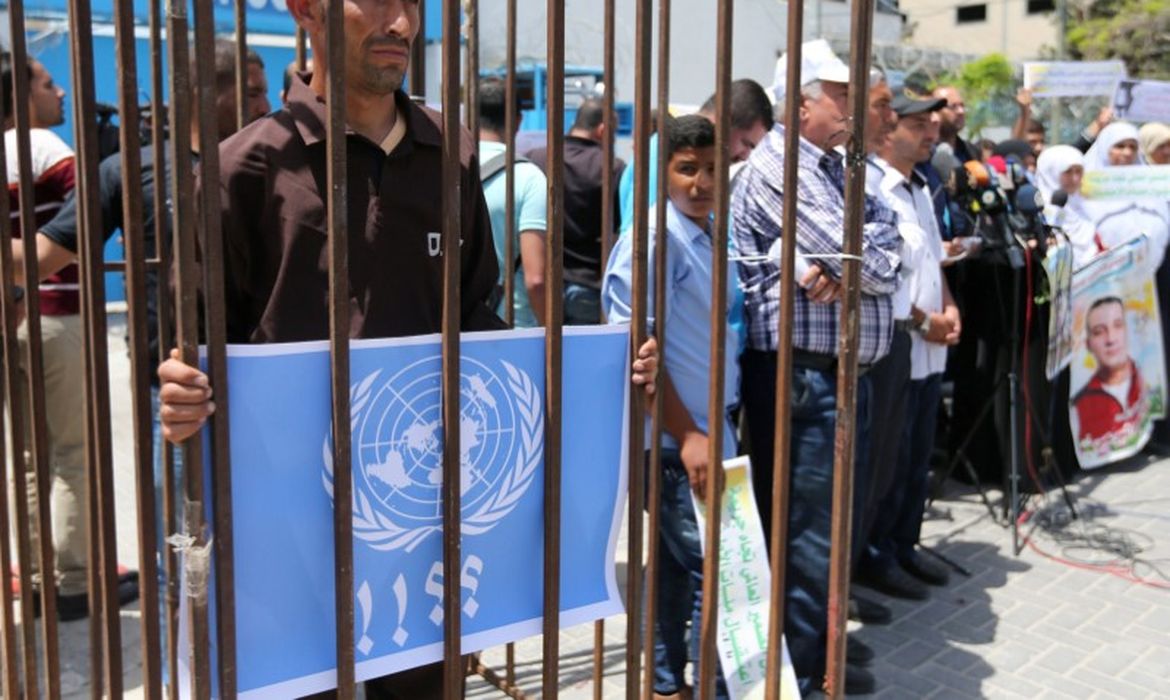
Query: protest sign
(1073, 78)
(282, 490)
(1142, 100)
(1117, 378)
(1132, 182)
(1058, 266)
(744, 584)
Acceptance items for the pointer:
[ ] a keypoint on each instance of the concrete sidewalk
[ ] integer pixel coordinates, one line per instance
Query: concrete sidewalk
(1018, 626)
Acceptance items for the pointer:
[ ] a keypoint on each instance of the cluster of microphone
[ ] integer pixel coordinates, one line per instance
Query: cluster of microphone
(996, 202)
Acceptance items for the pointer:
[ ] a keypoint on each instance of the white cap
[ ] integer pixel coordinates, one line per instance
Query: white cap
(817, 62)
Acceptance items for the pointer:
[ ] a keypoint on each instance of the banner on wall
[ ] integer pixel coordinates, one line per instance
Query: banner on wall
(1117, 384)
(282, 491)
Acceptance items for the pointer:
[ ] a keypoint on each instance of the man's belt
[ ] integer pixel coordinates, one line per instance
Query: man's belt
(905, 324)
(819, 361)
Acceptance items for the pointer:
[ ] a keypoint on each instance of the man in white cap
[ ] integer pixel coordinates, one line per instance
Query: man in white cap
(757, 216)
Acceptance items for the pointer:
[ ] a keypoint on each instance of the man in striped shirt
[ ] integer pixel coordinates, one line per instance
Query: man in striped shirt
(757, 207)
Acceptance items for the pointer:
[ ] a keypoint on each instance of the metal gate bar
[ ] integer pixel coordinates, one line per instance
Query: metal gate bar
(708, 662)
(654, 466)
(140, 360)
(452, 297)
(510, 116)
(28, 416)
(847, 376)
(471, 82)
(781, 456)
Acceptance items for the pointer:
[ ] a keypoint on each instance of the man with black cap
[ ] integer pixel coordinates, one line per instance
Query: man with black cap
(891, 562)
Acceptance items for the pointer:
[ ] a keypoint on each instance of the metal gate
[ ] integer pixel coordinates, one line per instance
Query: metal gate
(195, 312)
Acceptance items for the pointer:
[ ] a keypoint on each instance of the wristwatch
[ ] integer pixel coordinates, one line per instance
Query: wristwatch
(924, 327)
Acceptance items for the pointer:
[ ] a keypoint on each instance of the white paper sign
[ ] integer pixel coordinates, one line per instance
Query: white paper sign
(744, 584)
(1073, 78)
(1142, 100)
(1130, 182)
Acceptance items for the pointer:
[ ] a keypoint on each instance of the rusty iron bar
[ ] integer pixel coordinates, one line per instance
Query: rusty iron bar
(165, 340)
(509, 271)
(781, 455)
(241, 7)
(31, 398)
(638, 333)
(140, 361)
(339, 319)
(654, 466)
(90, 247)
(505, 685)
(598, 657)
(14, 654)
(608, 190)
(861, 42)
(121, 265)
(554, 301)
(472, 61)
(608, 185)
(418, 56)
(452, 198)
(211, 239)
(187, 326)
(510, 664)
(300, 55)
(708, 660)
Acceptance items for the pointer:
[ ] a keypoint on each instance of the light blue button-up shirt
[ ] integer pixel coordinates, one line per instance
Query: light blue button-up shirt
(688, 315)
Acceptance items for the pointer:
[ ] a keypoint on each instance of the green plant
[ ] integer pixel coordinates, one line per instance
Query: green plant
(985, 83)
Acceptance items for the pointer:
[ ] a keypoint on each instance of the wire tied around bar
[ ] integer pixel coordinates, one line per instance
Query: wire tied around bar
(195, 558)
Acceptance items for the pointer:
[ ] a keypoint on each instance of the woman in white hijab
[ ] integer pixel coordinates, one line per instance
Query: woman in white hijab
(1060, 168)
(1120, 220)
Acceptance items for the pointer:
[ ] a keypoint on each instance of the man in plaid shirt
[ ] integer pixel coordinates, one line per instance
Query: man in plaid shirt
(757, 207)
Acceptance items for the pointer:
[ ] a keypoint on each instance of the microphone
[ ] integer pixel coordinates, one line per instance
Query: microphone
(944, 163)
(1059, 198)
(1029, 201)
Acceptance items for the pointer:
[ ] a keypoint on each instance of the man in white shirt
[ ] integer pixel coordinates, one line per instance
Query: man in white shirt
(891, 560)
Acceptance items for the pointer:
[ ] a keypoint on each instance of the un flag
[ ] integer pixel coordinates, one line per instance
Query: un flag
(282, 475)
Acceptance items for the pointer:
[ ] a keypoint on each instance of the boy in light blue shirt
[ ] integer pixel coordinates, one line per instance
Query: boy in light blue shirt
(690, 141)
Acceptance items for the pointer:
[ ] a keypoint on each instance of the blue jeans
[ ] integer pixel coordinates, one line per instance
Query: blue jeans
(680, 581)
(897, 528)
(814, 418)
(582, 305)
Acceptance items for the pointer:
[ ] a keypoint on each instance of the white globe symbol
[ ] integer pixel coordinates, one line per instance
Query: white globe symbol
(399, 440)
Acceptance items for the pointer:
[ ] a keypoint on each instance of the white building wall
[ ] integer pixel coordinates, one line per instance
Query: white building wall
(760, 30)
(1008, 29)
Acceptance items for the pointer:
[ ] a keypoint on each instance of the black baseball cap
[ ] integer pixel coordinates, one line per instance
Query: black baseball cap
(904, 105)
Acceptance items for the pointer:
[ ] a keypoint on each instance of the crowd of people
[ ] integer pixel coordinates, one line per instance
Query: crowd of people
(919, 277)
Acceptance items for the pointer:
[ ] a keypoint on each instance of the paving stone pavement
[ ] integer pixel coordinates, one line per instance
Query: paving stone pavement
(1017, 626)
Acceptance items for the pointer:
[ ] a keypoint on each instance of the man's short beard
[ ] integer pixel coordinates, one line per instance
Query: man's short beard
(381, 81)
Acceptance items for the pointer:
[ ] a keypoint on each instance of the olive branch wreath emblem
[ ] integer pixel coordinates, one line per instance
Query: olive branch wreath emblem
(381, 533)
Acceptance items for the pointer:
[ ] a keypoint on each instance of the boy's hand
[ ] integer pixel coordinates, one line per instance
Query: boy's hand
(694, 453)
(184, 399)
(645, 369)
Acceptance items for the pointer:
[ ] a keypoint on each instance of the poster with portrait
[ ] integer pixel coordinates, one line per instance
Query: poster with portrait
(1117, 382)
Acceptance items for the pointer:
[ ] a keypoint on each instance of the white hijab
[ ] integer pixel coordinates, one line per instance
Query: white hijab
(1097, 157)
(1118, 221)
(1072, 219)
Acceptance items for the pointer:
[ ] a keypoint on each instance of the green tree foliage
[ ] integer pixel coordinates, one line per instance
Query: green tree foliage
(1134, 31)
(986, 83)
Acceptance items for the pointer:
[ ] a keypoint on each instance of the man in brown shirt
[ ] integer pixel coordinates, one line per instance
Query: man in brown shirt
(273, 198)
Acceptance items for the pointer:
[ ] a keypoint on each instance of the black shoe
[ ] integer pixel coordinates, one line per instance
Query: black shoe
(76, 607)
(925, 569)
(894, 581)
(857, 652)
(858, 681)
(868, 612)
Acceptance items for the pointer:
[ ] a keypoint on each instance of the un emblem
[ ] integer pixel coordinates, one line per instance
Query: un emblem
(398, 450)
